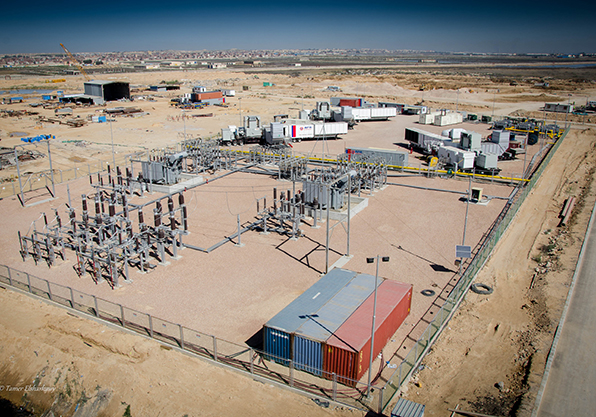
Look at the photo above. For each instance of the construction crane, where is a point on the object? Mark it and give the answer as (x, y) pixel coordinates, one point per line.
(75, 62)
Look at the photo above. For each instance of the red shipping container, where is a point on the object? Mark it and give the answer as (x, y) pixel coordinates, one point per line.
(351, 102)
(347, 351)
(208, 95)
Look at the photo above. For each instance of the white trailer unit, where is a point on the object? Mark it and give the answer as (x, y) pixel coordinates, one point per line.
(359, 114)
(333, 129)
(451, 118)
(427, 118)
(229, 93)
(457, 157)
(426, 141)
(382, 113)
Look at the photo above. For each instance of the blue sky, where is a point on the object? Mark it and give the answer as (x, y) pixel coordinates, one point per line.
(108, 26)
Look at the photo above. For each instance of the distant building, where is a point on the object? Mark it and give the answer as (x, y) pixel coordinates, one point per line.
(558, 108)
(215, 65)
(103, 91)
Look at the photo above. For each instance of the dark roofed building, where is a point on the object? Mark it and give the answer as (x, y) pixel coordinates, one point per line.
(107, 90)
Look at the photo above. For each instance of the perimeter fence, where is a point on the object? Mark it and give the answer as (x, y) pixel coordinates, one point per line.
(326, 386)
(482, 252)
(280, 370)
(32, 181)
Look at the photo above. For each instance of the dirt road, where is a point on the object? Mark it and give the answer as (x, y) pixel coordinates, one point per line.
(491, 357)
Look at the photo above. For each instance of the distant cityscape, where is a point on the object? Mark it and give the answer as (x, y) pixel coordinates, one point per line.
(169, 58)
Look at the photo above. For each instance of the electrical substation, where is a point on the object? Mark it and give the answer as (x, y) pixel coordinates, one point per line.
(268, 245)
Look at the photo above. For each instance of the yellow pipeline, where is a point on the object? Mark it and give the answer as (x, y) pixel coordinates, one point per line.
(399, 168)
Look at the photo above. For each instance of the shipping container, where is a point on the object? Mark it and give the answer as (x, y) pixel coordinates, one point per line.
(195, 97)
(336, 100)
(388, 156)
(351, 102)
(347, 350)
(278, 331)
(309, 338)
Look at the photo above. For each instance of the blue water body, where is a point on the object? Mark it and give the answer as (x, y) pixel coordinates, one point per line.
(26, 91)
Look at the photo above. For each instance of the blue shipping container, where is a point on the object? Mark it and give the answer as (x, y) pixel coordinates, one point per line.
(309, 338)
(277, 345)
(287, 321)
(308, 355)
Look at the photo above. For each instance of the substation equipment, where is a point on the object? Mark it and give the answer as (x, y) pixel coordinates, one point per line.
(108, 238)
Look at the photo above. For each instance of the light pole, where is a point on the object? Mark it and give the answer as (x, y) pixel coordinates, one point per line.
(457, 101)
(568, 108)
(372, 336)
(184, 121)
(463, 240)
(113, 155)
(240, 110)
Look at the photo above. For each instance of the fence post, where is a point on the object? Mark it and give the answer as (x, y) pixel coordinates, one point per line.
(380, 409)
(252, 359)
(71, 298)
(9, 276)
(96, 308)
(49, 290)
(214, 347)
(122, 315)
(291, 373)
(334, 395)
(150, 325)
(29, 282)
(181, 336)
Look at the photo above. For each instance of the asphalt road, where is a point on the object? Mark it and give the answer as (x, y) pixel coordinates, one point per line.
(571, 381)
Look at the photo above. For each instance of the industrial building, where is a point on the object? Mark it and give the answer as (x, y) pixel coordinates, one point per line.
(558, 108)
(107, 90)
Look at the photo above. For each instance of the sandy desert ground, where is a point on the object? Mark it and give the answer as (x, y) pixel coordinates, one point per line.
(505, 334)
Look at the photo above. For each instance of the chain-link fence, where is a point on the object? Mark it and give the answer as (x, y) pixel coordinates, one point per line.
(484, 250)
(32, 181)
(250, 360)
(240, 357)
